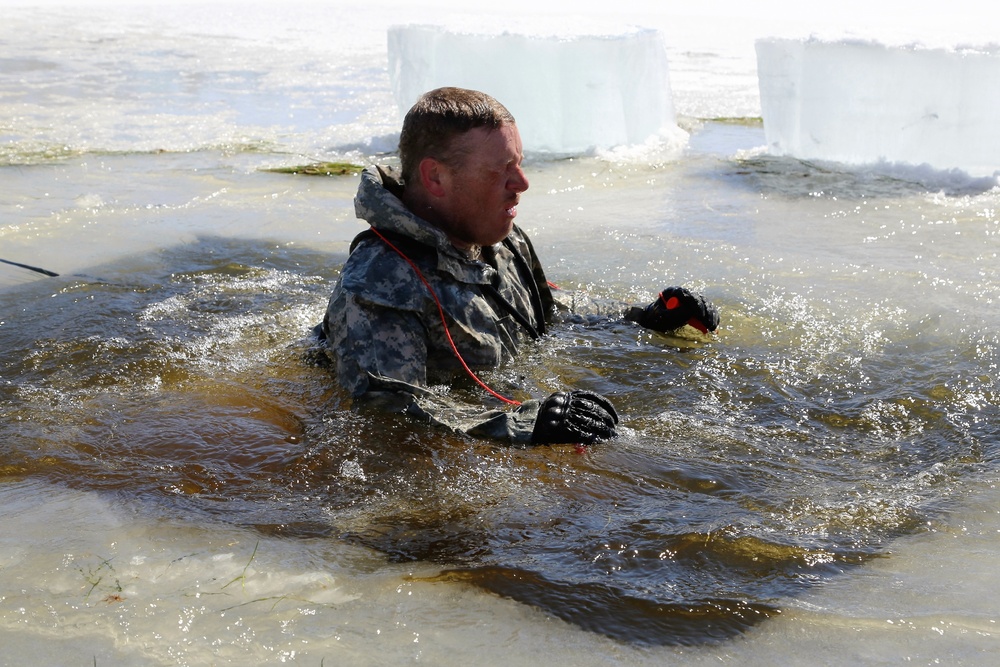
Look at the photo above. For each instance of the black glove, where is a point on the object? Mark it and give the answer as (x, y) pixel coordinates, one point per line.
(575, 416)
(673, 308)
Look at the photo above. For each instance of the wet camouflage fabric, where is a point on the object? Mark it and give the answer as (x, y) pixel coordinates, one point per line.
(385, 332)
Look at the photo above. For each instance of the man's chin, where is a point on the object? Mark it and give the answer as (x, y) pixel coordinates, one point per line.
(508, 228)
(503, 231)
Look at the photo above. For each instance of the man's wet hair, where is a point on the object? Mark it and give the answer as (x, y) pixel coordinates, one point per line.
(439, 116)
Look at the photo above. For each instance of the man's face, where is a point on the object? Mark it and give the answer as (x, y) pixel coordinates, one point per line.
(483, 192)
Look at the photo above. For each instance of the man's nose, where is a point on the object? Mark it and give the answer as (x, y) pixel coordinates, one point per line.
(519, 181)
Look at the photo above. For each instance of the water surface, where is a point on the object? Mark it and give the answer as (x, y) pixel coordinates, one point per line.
(185, 485)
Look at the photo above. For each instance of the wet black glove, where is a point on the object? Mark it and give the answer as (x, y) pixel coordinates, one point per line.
(575, 416)
(673, 308)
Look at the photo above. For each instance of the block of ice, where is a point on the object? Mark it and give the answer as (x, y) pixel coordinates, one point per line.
(569, 94)
(860, 102)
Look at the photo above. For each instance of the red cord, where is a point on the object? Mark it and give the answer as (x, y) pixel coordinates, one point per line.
(444, 322)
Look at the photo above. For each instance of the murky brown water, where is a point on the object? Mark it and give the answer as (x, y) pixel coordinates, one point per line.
(848, 399)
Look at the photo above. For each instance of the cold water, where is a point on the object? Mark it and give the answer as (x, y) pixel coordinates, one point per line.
(183, 484)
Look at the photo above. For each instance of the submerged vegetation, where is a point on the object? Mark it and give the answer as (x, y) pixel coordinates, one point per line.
(749, 121)
(319, 169)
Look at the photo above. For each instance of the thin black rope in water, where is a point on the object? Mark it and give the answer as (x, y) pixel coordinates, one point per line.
(30, 268)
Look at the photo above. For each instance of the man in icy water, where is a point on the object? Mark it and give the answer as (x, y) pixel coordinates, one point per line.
(444, 282)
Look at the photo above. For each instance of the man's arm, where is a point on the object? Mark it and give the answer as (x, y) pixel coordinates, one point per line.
(381, 357)
(672, 309)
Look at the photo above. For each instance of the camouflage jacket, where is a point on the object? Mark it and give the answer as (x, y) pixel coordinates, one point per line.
(386, 334)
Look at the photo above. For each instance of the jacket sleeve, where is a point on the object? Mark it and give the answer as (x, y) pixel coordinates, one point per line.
(511, 426)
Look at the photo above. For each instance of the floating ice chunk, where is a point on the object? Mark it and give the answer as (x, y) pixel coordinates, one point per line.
(569, 94)
(865, 103)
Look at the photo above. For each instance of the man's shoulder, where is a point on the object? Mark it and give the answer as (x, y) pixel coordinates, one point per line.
(375, 273)
(399, 244)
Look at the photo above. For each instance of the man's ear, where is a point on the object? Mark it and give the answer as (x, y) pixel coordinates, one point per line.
(433, 176)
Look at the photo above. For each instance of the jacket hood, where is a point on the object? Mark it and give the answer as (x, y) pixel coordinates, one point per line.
(377, 204)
